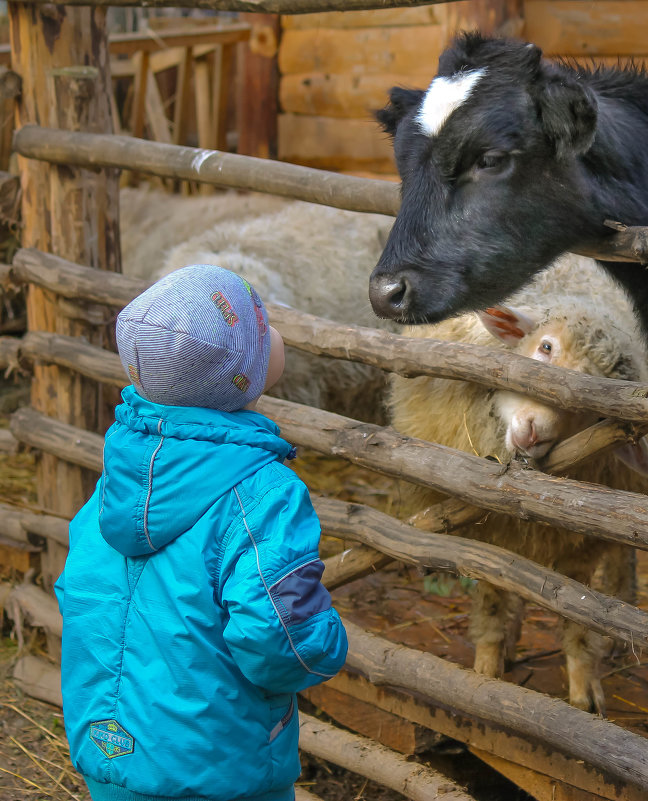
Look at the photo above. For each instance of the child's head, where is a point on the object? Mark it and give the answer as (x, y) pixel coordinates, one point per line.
(199, 337)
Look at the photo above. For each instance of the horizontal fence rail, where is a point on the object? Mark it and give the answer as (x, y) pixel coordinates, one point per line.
(261, 175)
(376, 762)
(262, 6)
(566, 389)
(514, 489)
(571, 599)
(208, 166)
(546, 720)
(479, 560)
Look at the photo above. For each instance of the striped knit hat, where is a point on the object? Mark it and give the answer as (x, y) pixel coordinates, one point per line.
(197, 337)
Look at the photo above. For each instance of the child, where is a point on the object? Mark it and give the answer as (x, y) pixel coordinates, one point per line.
(191, 598)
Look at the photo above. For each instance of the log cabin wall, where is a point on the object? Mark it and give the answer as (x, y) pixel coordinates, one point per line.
(336, 68)
(604, 31)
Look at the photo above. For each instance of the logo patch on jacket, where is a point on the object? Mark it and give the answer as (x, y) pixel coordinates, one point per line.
(111, 738)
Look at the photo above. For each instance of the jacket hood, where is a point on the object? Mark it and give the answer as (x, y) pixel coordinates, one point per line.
(164, 466)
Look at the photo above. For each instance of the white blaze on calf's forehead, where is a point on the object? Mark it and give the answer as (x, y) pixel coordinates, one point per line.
(443, 97)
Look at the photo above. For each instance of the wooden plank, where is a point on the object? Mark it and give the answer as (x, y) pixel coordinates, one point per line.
(257, 122)
(182, 98)
(362, 50)
(131, 43)
(155, 115)
(329, 143)
(574, 28)
(222, 83)
(141, 61)
(383, 18)
(385, 727)
(168, 59)
(487, 737)
(328, 94)
(39, 678)
(541, 787)
(204, 103)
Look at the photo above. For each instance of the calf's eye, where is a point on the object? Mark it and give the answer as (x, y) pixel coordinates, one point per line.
(493, 160)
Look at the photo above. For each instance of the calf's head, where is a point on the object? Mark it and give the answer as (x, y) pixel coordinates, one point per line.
(492, 190)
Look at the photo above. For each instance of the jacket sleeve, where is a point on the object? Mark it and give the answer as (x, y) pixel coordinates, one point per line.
(282, 631)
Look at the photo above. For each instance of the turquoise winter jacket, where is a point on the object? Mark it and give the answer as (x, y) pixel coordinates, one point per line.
(193, 610)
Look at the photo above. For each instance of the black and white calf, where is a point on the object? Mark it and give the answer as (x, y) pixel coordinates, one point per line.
(506, 161)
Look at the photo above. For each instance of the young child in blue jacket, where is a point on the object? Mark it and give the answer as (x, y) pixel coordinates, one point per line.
(191, 598)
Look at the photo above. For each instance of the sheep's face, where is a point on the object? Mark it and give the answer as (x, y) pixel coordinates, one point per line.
(531, 427)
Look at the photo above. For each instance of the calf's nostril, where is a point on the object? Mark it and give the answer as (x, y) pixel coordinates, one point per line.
(388, 296)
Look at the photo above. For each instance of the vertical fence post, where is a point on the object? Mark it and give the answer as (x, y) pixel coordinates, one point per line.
(67, 211)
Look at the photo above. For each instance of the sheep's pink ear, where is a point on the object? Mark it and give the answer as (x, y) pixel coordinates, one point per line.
(634, 455)
(506, 323)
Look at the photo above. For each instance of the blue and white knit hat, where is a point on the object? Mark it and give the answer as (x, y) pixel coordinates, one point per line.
(197, 337)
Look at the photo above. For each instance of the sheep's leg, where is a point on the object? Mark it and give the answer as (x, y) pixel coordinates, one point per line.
(619, 573)
(584, 649)
(616, 575)
(494, 627)
(583, 652)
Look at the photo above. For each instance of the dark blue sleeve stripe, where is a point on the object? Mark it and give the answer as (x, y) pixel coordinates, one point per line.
(300, 594)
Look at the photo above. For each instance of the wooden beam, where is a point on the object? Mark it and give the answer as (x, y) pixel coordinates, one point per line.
(480, 734)
(566, 389)
(407, 50)
(262, 6)
(153, 41)
(208, 166)
(378, 763)
(400, 541)
(569, 28)
(257, 124)
(18, 523)
(547, 721)
(246, 172)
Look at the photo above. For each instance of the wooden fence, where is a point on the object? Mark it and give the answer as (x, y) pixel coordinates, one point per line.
(71, 307)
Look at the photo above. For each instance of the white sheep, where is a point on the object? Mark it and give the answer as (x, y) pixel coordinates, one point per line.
(573, 316)
(311, 257)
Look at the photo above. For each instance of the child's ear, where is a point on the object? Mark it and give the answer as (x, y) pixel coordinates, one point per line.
(401, 101)
(506, 323)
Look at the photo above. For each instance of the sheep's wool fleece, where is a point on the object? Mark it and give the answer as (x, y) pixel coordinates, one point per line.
(605, 336)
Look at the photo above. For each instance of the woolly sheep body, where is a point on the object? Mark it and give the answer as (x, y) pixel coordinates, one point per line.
(311, 257)
(579, 302)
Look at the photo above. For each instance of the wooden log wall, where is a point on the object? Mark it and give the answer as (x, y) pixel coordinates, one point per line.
(336, 69)
(61, 57)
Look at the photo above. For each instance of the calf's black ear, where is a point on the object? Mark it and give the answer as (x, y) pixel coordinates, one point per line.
(568, 111)
(400, 102)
